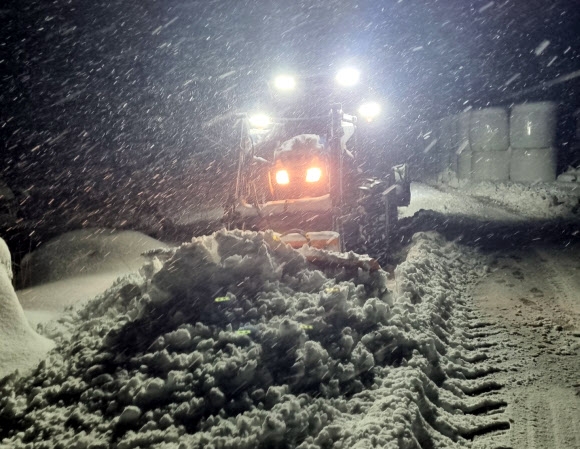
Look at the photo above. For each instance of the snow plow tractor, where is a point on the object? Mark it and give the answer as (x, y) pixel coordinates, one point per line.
(303, 182)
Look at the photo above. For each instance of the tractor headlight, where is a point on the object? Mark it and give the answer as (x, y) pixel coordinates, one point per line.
(369, 110)
(313, 174)
(259, 121)
(282, 177)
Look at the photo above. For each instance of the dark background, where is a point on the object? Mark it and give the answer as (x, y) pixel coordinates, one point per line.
(112, 109)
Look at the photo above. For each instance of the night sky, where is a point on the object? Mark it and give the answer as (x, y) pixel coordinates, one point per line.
(93, 86)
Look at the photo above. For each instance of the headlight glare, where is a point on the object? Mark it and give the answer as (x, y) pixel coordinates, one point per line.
(282, 177)
(313, 174)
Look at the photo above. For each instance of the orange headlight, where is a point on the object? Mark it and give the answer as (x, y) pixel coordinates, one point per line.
(313, 174)
(282, 177)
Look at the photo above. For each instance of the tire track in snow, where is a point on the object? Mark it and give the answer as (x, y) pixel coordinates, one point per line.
(564, 275)
(533, 294)
(553, 421)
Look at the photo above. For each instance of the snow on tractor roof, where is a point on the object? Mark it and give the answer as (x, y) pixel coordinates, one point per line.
(298, 146)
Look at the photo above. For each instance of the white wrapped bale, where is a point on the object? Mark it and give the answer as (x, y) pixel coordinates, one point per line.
(533, 125)
(463, 122)
(448, 132)
(464, 165)
(490, 165)
(533, 165)
(445, 141)
(488, 130)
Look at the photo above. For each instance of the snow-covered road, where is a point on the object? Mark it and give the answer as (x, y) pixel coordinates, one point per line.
(533, 296)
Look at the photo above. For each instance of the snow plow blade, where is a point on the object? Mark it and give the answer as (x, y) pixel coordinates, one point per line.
(323, 249)
(328, 240)
(348, 260)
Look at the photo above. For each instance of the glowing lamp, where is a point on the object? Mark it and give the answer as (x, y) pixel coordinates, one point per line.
(285, 83)
(313, 174)
(260, 121)
(369, 111)
(347, 77)
(282, 177)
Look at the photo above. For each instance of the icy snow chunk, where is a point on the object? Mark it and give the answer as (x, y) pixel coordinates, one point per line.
(179, 339)
(130, 415)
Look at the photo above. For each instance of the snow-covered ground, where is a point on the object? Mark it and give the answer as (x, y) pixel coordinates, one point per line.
(507, 201)
(532, 295)
(235, 340)
(238, 341)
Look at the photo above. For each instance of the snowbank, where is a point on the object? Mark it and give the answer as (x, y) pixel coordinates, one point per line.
(237, 341)
(538, 201)
(77, 266)
(21, 347)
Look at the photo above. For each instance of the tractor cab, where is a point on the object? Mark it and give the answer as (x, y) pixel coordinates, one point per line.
(300, 168)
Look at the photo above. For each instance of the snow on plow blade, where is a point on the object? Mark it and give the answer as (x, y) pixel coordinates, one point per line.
(323, 248)
(328, 240)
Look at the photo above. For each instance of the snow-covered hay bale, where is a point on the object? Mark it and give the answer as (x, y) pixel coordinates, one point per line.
(21, 348)
(533, 165)
(238, 341)
(86, 252)
(488, 130)
(491, 165)
(533, 125)
(448, 133)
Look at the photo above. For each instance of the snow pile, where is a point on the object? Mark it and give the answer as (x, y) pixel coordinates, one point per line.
(20, 346)
(304, 145)
(570, 175)
(238, 341)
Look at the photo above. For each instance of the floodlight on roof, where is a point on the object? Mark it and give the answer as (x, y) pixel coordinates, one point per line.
(347, 76)
(285, 83)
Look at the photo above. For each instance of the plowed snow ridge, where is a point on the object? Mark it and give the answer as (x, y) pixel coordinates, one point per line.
(237, 341)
